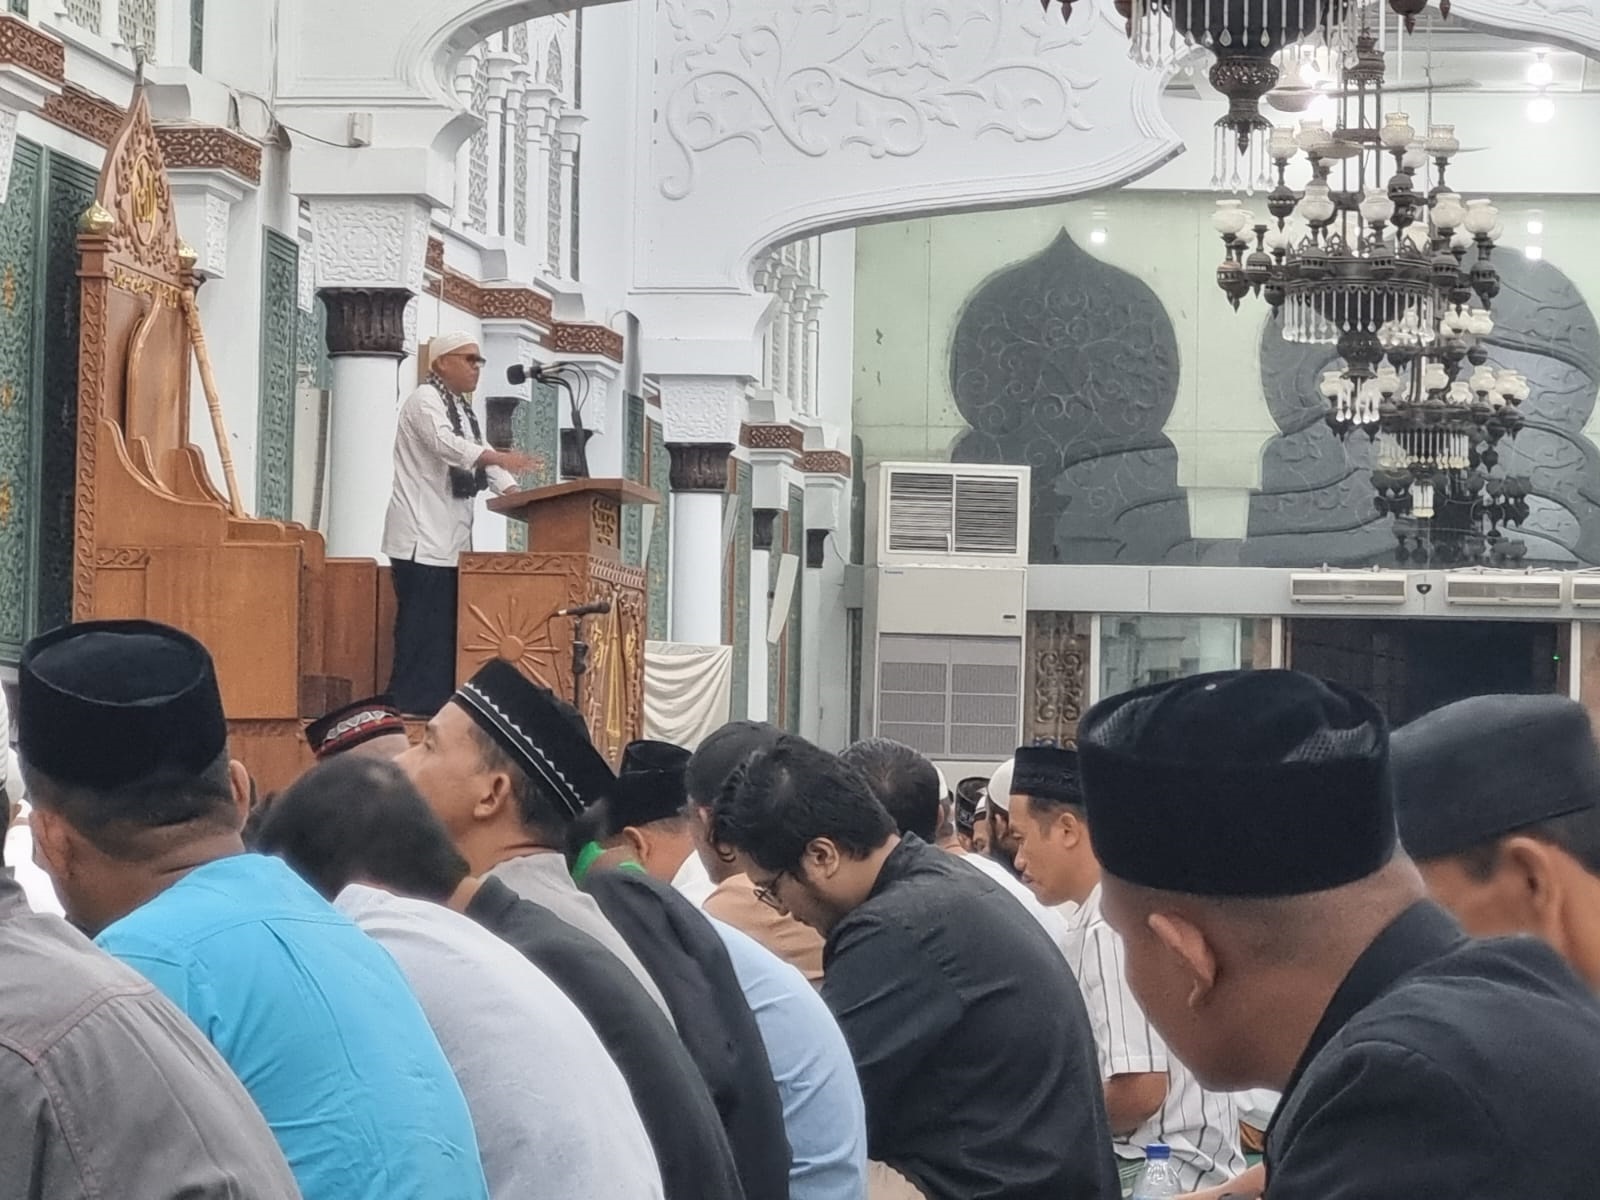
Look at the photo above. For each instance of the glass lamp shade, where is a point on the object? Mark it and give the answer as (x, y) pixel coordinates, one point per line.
(1483, 380)
(1480, 323)
(1460, 240)
(1397, 133)
(1459, 393)
(1387, 380)
(1482, 216)
(1333, 384)
(1418, 237)
(1230, 217)
(1448, 211)
(1442, 142)
(1316, 206)
(1277, 239)
(1282, 145)
(1434, 377)
(1376, 207)
(1312, 136)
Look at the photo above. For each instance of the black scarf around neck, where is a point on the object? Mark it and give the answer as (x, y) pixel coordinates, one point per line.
(464, 485)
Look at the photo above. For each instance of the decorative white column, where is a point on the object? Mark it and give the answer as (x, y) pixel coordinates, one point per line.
(824, 691)
(812, 319)
(763, 524)
(702, 416)
(465, 83)
(515, 134)
(370, 252)
(500, 64)
(568, 129)
(536, 103)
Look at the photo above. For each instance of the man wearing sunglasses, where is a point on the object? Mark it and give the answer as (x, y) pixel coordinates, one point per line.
(441, 463)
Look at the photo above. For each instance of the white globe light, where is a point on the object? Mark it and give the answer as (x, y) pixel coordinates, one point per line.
(1540, 72)
(1533, 253)
(1541, 110)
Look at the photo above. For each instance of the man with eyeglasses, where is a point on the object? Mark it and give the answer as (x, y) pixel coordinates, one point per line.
(441, 463)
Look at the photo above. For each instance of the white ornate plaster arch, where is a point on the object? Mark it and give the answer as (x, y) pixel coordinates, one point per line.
(1571, 23)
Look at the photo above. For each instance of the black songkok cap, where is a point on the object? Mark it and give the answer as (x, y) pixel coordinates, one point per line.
(1240, 783)
(1473, 771)
(107, 703)
(348, 727)
(651, 786)
(723, 753)
(543, 734)
(1048, 772)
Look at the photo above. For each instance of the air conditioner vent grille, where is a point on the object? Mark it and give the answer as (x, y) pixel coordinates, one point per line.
(950, 697)
(1493, 589)
(941, 512)
(1333, 587)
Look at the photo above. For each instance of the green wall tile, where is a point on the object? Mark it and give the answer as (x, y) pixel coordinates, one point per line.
(280, 352)
(659, 568)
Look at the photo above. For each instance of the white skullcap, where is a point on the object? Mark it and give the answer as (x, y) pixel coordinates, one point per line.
(449, 343)
(1000, 787)
(944, 784)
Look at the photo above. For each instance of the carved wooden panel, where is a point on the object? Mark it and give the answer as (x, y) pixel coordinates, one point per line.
(507, 610)
(1056, 688)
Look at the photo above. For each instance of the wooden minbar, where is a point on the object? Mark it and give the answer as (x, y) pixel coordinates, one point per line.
(511, 604)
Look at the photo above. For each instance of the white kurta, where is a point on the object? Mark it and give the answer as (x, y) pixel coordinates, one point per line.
(425, 523)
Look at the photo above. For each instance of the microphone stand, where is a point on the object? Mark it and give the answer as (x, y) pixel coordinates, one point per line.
(580, 661)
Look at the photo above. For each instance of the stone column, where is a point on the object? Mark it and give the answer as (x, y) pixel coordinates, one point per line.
(812, 318)
(763, 525)
(568, 129)
(370, 252)
(514, 134)
(499, 82)
(824, 647)
(366, 341)
(465, 83)
(535, 117)
(699, 481)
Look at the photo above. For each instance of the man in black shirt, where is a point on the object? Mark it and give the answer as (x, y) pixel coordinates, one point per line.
(1277, 938)
(922, 953)
(360, 820)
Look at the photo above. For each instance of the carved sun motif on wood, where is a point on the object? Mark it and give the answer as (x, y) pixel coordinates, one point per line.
(517, 637)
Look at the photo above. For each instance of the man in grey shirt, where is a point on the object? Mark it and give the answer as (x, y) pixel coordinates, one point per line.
(106, 1089)
(507, 765)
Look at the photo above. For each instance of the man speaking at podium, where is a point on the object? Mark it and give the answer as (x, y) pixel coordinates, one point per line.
(441, 463)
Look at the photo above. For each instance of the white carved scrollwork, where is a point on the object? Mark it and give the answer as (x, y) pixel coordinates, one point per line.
(370, 241)
(821, 76)
(703, 408)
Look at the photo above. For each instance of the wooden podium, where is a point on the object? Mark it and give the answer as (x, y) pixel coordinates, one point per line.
(510, 604)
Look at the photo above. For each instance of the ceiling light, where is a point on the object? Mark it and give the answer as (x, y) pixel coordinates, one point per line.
(1535, 228)
(1097, 236)
(1540, 73)
(1541, 109)
(1534, 253)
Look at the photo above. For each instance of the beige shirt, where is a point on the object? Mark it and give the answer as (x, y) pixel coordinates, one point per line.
(108, 1091)
(734, 902)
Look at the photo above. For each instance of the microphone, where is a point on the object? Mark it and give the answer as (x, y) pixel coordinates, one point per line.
(594, 608)
(517, 374)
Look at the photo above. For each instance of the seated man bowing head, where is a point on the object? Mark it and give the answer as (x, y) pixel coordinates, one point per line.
(1276, 937)
(921, 953)
(137, 813)
(553, 1113)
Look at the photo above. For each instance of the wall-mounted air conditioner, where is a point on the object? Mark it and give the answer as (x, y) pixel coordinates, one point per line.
(1586, 591)
(947, 513)
(1502, 588)
(1349, 587)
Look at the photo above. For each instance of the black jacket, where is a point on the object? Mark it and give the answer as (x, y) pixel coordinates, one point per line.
(685, 1129)
(1445, 1067)
(690, 965)
(969, 1033)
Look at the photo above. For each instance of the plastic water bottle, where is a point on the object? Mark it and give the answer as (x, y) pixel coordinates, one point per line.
(1159, 1179)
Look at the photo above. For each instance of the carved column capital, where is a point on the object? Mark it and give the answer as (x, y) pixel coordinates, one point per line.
(699, 466)
(816, 547)
(763, 522)
(366, 322)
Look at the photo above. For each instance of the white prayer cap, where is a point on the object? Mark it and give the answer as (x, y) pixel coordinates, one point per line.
(1000, 787)
(449, 343)
(944, 784)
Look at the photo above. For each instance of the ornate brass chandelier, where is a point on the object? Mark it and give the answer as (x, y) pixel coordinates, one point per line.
(1400, 281)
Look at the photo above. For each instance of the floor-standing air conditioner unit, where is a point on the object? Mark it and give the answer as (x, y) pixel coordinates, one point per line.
(945, 610)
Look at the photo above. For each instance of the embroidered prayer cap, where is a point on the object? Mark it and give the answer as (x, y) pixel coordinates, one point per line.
(1471, 772)
(103, 704)
(354, 724)
(723, 753)
(1239, 783)
(449, 343)
(1048, 772)
(650, 787)
(543, 734)
(1000, 786)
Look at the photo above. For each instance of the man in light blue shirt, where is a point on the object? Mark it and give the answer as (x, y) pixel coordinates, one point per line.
(137, 811)
(822, 1107)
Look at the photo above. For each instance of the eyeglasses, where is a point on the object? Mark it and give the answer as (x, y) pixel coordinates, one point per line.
(767, 892)
(476, 360)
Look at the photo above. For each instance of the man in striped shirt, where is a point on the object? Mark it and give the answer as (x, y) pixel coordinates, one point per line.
(1150, 1096)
